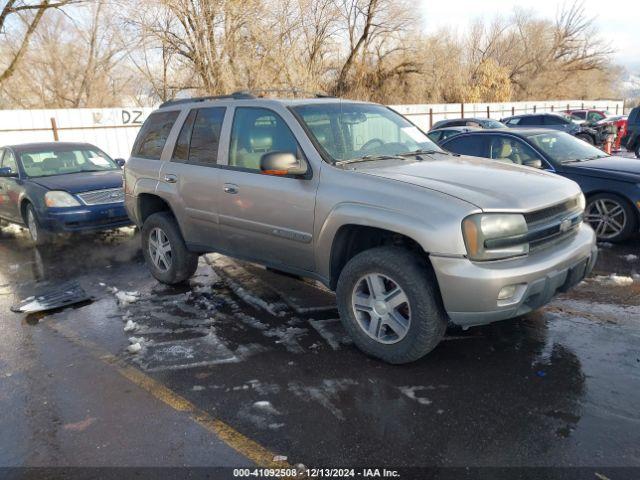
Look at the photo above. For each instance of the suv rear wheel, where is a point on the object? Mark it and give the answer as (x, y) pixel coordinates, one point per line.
(389, 303)
(165, 251)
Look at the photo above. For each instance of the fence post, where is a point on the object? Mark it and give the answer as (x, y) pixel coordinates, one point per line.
(513, 110)
(552, 108)
(54, 129)
(430, 118)
(488, 112)
(462, 110)
(534, 109)
(617, 109)
(568, 108)
(582, 106)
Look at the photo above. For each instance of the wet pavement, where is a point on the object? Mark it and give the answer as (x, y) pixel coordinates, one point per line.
(264, 355)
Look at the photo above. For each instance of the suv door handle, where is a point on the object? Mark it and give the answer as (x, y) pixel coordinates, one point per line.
(170, 178)
(230, 188)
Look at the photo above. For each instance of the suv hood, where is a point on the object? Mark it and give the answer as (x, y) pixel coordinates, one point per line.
(487, 184)
(81, 181)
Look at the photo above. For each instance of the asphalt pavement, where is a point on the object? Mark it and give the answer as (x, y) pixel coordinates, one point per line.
(248, 367)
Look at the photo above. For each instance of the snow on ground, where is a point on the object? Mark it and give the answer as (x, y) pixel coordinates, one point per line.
(130, 326)
(126, 298)
(324, 394)
(614, 280)
(631, 257)
(412, 393)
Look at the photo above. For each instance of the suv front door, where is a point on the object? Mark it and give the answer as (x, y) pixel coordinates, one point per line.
(264, 217)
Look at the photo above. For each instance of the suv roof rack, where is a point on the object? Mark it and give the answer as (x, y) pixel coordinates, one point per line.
(233, 96)
(247, 95)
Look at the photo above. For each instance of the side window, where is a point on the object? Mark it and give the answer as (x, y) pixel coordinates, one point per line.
(512, 150)
(205, 136)
(473, 145)
(594, 117)
(435, 135)
(532, 120)
(514, 121)
(579, 115)
(257, 131)
(9, 160)
(153, 135)
(554, 120)
(181, 150)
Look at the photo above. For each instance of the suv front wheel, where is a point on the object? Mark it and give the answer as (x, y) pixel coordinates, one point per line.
(165, 251)
(390, 305)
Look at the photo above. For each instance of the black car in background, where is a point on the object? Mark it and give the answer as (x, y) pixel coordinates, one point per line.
(468, 122)
(439, 135)
(631, 141)
(555, 121)
(610, 184)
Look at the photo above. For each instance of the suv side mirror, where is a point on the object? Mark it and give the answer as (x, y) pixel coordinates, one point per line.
(534, 163)
(6, 172)
(120, 162)
(282, 163)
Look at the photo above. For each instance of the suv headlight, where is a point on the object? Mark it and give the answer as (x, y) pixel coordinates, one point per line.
(582, 202)
(60, 199)
(492, 236)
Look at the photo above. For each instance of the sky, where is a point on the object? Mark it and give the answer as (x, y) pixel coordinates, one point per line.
(618, 21)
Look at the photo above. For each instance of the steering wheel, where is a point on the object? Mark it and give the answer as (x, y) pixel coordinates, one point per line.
(370, 144)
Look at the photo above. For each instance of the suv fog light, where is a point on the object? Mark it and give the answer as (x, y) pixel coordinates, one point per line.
(507, 292)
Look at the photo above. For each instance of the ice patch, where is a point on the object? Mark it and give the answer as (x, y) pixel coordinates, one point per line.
(631, 257)
(323, 394)
(197, 388)
(614, 280)
(266, 407)
(130, 326)
(126, 298)
(411, 392)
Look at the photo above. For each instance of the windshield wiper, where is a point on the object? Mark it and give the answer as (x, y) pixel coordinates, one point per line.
(369, 158)
(422, 152)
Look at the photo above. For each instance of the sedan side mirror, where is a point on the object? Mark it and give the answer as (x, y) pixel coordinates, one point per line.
(533, 163)
(6, 172)
(282, 163)
(120, 162)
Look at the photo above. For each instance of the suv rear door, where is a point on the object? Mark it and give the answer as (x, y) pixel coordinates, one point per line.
(264, 217)
(192, 177)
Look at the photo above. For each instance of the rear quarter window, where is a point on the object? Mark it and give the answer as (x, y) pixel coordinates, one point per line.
(153, 135)
(472, 145)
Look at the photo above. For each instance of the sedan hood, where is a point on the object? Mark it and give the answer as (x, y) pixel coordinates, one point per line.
(611, 167)
(82, 181)
(487, 184)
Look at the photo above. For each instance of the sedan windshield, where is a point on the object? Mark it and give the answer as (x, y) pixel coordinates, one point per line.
(352, 131)
(61, 161)
(561, 147)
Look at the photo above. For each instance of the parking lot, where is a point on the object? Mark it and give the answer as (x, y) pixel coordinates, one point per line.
(245, 366)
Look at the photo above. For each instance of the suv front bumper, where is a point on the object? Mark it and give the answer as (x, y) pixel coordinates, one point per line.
(470, 290)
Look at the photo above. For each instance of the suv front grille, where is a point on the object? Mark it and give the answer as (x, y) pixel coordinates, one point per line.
(102, 197)
(551, 225)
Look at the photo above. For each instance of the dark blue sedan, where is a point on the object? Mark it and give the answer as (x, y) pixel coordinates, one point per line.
(60, 187)
(611, 185)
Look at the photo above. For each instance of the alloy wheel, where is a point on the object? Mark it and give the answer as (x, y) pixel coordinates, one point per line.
(160, 249)
(381, 308)
(607, 217)
(32, 225)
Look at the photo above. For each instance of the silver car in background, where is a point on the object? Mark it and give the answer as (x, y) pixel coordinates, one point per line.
(354, 195)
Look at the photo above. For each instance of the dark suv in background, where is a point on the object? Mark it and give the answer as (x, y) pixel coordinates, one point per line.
(631, 141)
(556, 122)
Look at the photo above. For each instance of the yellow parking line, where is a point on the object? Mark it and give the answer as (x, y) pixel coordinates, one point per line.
(255, 452)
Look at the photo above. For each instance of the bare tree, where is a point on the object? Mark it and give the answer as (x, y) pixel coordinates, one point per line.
(29, 14)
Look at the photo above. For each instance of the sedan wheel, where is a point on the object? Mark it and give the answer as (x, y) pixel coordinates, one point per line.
(33, 225)
(381, 308)
(609, 218)
(160, 249)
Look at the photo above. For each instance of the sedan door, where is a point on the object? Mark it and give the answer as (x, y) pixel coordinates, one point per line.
(10, 188)
(264, 217)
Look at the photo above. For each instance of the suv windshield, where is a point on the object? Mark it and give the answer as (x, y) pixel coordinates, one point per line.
(561, 147)
(349, 131)
(61, 161)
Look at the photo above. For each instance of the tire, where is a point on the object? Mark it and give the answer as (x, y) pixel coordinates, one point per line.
(586, 138)
(611, 216)
(38, 235)
(171, 266)
(391, 267)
